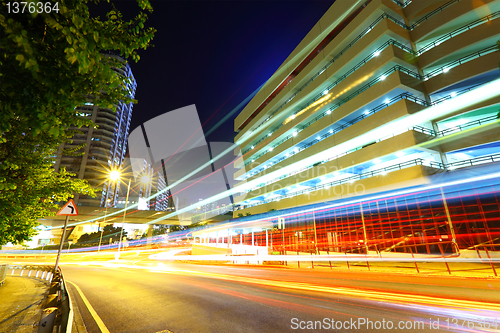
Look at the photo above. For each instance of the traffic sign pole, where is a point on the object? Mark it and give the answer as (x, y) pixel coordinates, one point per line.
(62, 241)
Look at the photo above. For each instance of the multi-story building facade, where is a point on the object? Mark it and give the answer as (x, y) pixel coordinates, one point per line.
(105, 146)
(379, 96)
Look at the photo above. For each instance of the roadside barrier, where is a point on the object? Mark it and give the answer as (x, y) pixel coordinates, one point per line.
(3, 273)
(57, 308)
(35, 271)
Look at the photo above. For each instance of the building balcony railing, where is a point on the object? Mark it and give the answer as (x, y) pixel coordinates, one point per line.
(421, 129)
(384, 171)
(378, 50)
(458, 31)
(458, 62)
(434, 12)
(459, 128)
(357, 38)
(442, 69)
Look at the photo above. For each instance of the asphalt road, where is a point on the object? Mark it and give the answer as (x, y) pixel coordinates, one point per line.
(180, 297)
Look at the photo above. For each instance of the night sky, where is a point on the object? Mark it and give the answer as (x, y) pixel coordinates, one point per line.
(214, 54)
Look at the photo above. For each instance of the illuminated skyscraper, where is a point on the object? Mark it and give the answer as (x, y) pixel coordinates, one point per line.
(105, 146)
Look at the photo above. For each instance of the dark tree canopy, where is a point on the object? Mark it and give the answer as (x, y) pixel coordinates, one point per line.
(50, 63)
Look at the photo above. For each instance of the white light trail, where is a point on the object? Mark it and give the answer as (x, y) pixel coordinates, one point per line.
(482, 93)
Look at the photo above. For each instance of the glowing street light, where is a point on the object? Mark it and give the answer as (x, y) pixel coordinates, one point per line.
(145, 179)
(114, 175)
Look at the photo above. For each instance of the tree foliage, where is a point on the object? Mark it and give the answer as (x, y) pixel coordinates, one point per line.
(108, 232)
(50, 63)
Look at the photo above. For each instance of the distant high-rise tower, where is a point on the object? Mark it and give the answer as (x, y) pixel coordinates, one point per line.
(105, 146)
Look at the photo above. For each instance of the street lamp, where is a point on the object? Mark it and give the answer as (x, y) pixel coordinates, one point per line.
(114, 175)
(103, 224)
(144, 180)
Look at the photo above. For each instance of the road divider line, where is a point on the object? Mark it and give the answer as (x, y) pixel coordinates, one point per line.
(94, 314)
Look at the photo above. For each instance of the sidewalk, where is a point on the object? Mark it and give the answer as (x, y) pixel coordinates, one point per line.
(21, 304)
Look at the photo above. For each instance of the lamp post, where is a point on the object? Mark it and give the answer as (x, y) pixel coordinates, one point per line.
(125, 213)
(144, 180)
(103, 224)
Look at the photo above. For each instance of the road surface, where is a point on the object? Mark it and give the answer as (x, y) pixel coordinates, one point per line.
(177, 297)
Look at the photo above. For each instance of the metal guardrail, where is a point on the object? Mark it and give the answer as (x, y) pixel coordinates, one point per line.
(41, 272)
(3, 273)
(58, 310)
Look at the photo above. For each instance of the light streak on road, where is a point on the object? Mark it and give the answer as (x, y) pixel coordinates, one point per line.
(170, 255)
(462, 181)
(321, 258)
(403, 299)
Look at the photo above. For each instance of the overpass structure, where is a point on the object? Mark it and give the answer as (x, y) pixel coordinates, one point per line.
(98, 214)
(89, 214)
